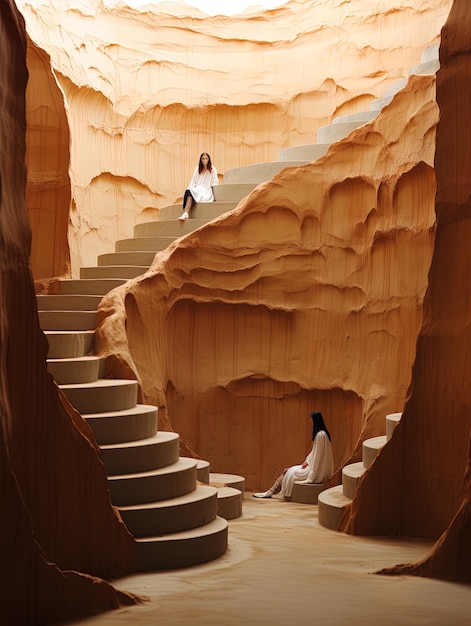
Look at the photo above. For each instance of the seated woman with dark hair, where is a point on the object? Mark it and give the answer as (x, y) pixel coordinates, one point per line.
(317, 468)
(201, 185)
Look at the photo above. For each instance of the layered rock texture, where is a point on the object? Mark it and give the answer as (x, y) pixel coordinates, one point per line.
(431, 485)
(310, 294)
(147, 91)
(59, 533)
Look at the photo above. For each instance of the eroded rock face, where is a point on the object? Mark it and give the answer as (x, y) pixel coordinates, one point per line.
(59, 530)
(432, 482)
(307, 296)
(147, 92)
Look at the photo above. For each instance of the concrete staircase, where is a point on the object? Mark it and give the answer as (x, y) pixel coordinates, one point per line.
(176, 509)
(333, 501)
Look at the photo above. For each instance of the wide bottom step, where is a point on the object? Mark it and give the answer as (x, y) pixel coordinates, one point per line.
(186, 548)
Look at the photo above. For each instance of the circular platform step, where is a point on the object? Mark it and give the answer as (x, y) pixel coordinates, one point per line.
(229, 502)
(227, 480)
(306, 493)
(184, 549)
(202, 471)
(350, 476)
(331, 505)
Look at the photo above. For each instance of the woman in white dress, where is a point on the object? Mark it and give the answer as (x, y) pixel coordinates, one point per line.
(201, 185)
(317, 468)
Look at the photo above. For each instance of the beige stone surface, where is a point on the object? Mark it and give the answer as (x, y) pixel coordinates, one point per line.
(147, 91)
(301, 298)
(283, 568)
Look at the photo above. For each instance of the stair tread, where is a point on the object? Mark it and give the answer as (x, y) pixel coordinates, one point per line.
(137, 409)
(334, 497)
(354, 469)
(216, 525)
(181, 465)
(159, 437)
(201, 492)
(375, 442)
(101, 382)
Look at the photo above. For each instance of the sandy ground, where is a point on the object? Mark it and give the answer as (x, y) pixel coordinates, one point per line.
(282, 567)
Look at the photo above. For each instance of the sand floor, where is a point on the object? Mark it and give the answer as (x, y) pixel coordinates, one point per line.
(283, 568)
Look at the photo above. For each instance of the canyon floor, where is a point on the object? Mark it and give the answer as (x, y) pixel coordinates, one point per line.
(283, 568)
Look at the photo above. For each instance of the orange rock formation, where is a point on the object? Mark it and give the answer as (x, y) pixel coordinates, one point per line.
(146, 92)
(431, 484)
(309, 294)
(59, 531)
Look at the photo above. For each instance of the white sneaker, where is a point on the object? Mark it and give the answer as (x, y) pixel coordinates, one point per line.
(184, 216)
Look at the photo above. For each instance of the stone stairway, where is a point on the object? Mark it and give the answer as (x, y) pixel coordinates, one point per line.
(176, 509)
(176, 519)
(333, 501)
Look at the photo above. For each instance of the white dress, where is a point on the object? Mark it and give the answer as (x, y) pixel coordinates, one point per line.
(319, 469)
(201, 185)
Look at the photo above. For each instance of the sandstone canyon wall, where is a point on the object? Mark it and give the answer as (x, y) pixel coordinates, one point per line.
(59, 532)
(146, 91)
(431, 485)
(47, 164)
(307, 295)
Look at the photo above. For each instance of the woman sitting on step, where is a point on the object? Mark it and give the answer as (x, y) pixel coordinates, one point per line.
(201, 184)
(317, 468)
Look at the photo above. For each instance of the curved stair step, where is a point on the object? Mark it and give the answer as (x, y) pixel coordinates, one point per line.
(258, 172)
(84, 369)
(89, 286)
(194, 509)
(232, 192)
(165, 228)
(203, 210)
(67, 302)
(67, 320)
(164, 483)
(350, 475)
(138, 422)
(309, 152)
(144, 244)
(137, 258)
(143, 455)
(306, 493)
(335, 132)
(371, 448)
(392, 420)
(112, 271)
(186, 548)
(202, 471)
(107, 394)
(229, 502)
(227, 480)
(66, 344)
(360, 116)
(331, 505)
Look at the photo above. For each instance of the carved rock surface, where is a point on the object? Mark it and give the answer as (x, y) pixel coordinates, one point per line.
(432, 483)
(146, 91)
(306, 296)
(58, 529)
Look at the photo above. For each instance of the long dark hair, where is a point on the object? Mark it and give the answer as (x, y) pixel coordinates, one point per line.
(200, 164)
(318, 424)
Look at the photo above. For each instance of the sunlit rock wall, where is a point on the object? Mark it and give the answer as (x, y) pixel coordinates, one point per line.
(146, 92)
(47, 165)
(307, 296)
(58, 528)
(431, 482)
